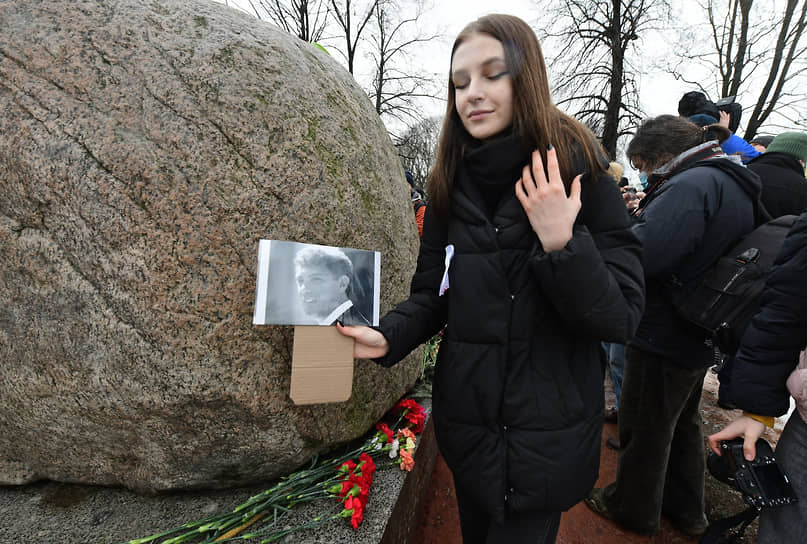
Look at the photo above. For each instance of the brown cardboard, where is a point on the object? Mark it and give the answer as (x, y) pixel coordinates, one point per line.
(321, 365)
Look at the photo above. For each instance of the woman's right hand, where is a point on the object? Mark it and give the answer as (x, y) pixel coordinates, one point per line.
(368, 343)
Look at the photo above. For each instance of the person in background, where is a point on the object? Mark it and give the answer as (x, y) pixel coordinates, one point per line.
(733, 145)
(699, 203)
(616, 170)
(781, 169)
(694, 103)
(697, 107)
(324, 278)
(630, 195)
(418, 203)
(766, 368)
(528, 259)
(615, 352)
(761, 143)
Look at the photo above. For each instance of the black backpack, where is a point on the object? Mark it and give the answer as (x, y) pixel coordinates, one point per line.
(726, 299)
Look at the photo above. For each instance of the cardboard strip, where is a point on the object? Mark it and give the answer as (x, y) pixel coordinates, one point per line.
(321, 365)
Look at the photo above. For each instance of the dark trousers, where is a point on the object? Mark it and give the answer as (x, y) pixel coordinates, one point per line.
(661, 464)
(478, 527)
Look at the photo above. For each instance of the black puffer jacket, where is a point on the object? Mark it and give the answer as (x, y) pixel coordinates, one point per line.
(784, 189)
(770, 346)
(685, 225)
(518, 396)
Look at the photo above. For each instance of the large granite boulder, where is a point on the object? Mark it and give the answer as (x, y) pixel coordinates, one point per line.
(145, 149)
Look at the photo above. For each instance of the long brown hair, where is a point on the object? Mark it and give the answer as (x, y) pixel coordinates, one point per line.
(535, 117)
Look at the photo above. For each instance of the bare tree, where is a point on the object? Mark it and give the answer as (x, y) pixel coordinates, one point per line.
(397, 88)
(352, 20)
(782, 68)
(754, 46)
(596, 80)
(305, 19)
(388, 36)
(417, 146)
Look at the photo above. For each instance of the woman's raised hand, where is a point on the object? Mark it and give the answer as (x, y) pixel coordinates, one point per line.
(550, 212)
(369, 343)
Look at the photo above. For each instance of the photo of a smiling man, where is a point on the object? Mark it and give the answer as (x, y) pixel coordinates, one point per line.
(324, 278)
(308, 284)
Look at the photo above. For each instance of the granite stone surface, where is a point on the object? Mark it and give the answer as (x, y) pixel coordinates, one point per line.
(146, 148)
(61, 513)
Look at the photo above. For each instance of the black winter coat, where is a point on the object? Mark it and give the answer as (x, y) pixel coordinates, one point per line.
(784, 189)
(689, 222)
(778, 332)
(518, 396)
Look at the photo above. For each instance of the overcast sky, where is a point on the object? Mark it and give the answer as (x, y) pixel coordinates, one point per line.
(657, 89)
(659, 92)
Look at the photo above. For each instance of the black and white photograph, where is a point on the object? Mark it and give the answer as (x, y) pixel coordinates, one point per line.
(309, 284)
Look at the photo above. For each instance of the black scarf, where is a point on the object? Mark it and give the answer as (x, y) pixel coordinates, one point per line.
(492, 168)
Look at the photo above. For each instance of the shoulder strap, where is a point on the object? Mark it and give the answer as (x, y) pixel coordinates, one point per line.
(714, 534)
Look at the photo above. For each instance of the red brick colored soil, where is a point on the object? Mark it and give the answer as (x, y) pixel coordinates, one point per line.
(439, 520)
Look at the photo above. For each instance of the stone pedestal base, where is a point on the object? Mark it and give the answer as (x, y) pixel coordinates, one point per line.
(59, 512)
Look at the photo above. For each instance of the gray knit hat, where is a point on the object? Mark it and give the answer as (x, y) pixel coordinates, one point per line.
(764, 140)
(792, 143)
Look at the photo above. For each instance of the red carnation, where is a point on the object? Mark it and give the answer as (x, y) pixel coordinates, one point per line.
(417, 421)
(347, 487)
(367, 464)
(384, 428)
(363, 483)
(413, 413)
(349, 502)
(358, 513)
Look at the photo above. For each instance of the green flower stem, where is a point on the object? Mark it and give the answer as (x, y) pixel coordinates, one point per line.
(306, 485)
(273, 536)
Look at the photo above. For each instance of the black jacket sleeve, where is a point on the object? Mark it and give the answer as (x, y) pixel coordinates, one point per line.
(423, 314)
(778, 332)
(596, 282)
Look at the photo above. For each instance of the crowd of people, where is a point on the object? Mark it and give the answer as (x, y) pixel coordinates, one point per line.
(542, 263)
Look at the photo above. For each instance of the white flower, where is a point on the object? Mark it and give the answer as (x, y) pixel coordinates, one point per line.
(393, 452)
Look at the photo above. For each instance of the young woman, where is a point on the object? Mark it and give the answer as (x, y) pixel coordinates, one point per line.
(528, 259)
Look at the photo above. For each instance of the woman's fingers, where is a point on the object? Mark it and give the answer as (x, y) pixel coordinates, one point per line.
(550, 211)
(552, 167)
(526, 181)
(368, 343)
(533, 180)
(538, 168)
(576, 188)
(539, 175)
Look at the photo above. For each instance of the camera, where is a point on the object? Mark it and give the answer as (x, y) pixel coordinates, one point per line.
(735, 111)
(761, 481)
(695, 102)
